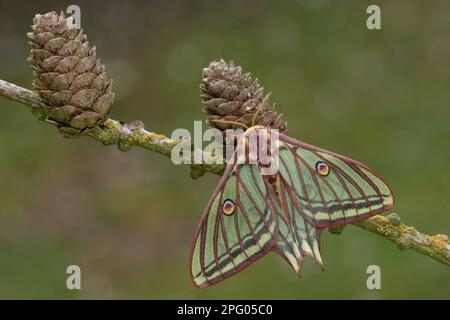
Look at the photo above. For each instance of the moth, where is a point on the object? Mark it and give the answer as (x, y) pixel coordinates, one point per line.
(250, 213)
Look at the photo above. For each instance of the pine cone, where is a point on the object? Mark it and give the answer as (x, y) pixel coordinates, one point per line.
(68, 75)
(231, 97)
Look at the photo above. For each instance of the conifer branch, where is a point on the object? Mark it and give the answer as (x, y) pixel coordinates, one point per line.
(127, 135)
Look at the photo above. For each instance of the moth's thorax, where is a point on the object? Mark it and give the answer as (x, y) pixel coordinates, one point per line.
(255, 128)
(259, 135)
(259, 146)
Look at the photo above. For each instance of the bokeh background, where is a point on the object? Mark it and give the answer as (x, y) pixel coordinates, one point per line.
(127, 219)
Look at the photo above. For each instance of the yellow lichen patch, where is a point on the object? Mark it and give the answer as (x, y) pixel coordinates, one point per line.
(406, 229)
(112, 124)
(156, 136)
(438, 242)
(381, 219)
(384, 225)
(142, 137)
(138, 137)
(386, 230)
(174, 142)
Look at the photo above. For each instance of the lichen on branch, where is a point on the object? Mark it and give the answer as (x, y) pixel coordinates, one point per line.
(134, 134)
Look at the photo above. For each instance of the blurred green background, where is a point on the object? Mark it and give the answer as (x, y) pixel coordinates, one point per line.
(127, 219)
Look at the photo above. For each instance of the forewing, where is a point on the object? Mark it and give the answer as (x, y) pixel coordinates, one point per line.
(224, 244)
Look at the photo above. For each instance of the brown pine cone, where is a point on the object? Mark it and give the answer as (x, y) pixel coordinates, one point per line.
(231, 97)
(68, 75)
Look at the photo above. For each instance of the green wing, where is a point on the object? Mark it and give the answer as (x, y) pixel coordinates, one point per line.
(297, 237)
(315, 189)
(287, 246)
(226, 240)
(345, 192)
